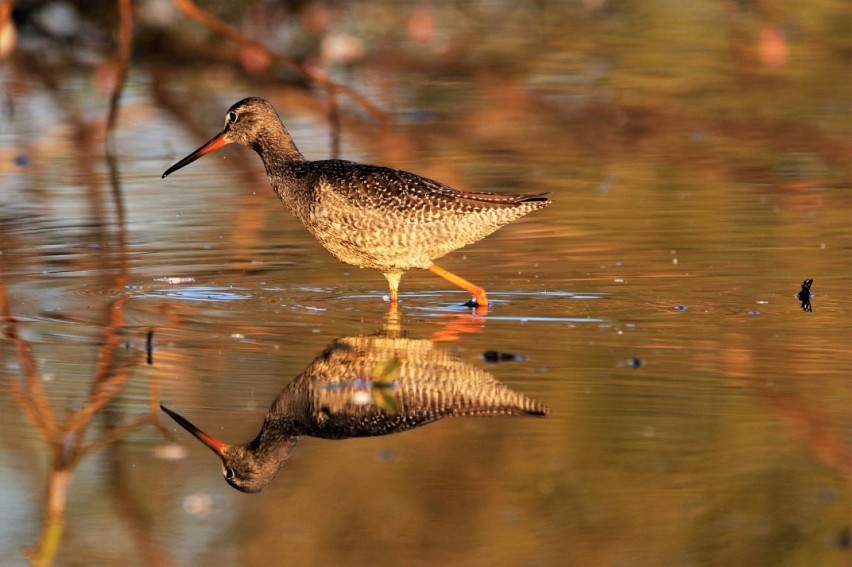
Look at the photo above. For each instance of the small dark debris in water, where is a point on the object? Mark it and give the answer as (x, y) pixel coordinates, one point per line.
(680, 307)
(636, 362)
(805, 295)
(844, 538)
(754, 312)
(494, 356)
(149, 347)
(21, 160)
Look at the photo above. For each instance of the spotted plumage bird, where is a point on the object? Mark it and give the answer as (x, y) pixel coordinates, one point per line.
(365, 215)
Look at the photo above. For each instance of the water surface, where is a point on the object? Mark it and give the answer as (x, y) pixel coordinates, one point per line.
(698, 415)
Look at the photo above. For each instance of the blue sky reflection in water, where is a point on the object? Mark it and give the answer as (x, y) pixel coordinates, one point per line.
(698, 164)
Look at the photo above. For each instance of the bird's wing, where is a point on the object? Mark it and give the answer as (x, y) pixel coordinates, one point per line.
(385, 188)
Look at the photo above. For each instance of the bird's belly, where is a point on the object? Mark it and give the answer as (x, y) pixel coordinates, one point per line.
(380, 241)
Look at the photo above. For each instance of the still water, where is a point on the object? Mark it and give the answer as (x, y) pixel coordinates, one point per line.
(695, 413)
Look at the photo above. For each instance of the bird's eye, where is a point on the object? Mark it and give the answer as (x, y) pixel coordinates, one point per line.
(229, 473)
(232, 117)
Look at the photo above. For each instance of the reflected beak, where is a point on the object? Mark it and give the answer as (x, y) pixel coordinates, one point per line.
(217, 446)
(217, 142)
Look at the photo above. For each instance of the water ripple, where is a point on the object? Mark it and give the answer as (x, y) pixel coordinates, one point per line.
(200, 293)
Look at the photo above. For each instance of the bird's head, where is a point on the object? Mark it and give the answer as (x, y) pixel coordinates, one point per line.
(244, 467)
(247, 123)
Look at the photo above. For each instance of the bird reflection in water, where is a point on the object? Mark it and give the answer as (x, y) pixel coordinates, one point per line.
(363, 387)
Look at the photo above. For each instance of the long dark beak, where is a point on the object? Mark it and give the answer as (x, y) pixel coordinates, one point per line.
(217, 142)
(217, 446)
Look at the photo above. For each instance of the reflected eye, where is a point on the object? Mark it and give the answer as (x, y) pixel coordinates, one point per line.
(232, 117)
(229, 473)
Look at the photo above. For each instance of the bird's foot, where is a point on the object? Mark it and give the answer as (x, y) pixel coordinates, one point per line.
(471, 303)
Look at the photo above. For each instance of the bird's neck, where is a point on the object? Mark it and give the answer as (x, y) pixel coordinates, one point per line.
(274, 441)
(276, 148)
(280, 157)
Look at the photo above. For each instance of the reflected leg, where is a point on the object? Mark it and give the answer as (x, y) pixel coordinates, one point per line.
(393, 283)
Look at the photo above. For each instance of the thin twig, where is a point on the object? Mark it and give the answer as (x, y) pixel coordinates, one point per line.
(31, 396)
(117, 433)
(125, 42)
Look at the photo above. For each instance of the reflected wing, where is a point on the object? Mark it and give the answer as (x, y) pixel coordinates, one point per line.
(368, 386)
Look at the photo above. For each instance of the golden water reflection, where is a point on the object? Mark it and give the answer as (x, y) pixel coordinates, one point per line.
(364, 387)
(697, 156)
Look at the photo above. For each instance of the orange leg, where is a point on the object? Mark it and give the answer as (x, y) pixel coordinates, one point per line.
(478, 293)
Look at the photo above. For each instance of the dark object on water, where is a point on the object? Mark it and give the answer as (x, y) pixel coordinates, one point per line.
(363, 387)
(494, 356)
(805, 295)
(636, 362)
(149, 347)
(369, 216)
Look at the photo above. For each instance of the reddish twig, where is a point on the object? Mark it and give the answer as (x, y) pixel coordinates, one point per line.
(125, 42)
